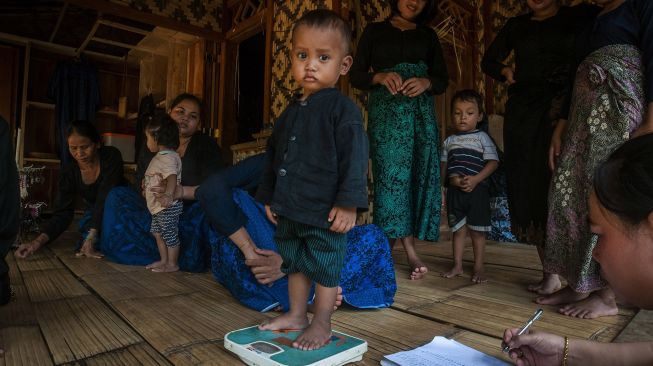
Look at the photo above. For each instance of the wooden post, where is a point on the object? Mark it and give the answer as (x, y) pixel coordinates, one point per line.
(20, 143)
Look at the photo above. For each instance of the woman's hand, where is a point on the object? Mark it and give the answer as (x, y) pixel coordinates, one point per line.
(414, 87)
(267, 267)
(509, 74)
(26, 249)
(271, 215)
(534, 348)
(556, 143)
(391, 80)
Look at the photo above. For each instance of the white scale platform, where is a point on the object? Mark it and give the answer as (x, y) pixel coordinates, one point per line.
(274, 348)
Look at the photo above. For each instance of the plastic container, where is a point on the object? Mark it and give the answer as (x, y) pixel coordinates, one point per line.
(124, 143)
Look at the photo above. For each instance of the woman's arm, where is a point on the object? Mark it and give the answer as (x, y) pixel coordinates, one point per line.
(438, 74)
(111, 175)
(360, 75)
(498, 51)
(64, 205)
(584, 352)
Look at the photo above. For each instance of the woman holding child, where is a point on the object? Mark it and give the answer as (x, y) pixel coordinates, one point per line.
(538, 94)
(93, 172)
(400, 61)
(126, 237)
(612, 102)
(621, 218)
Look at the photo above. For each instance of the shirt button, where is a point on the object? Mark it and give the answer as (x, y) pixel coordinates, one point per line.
(303, 103)
(293, 138)
(282, 172)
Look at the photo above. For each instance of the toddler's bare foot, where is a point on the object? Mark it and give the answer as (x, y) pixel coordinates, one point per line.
(157, 264)
(316, 336)
(335, 306)
(564, 296)
(594, 306)
(89, 253)
(285, 322)
(166, 268)
(549, 284)
(479, 277)
(455, 271)
(418, 269)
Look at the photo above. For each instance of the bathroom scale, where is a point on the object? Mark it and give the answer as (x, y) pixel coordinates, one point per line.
(274, 348)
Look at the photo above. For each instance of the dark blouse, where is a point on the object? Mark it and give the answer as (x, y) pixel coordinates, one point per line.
(382, 46)
(94, 194)
(631, 23)
(203, 157)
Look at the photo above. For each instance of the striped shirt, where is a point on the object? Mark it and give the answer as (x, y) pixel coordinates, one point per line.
(466, 152)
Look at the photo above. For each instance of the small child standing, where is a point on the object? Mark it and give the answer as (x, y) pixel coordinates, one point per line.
(468, 157)
(163, 139)
(315, 176)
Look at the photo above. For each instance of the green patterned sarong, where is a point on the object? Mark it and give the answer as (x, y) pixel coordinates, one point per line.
(404, 148)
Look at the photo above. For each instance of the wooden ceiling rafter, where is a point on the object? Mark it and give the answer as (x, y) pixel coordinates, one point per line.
(126, 12)
(124, 27)
(90, 36)
(249, 18)
(59, 19)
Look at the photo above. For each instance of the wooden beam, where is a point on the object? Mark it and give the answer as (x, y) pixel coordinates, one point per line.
(267, 76)
(20, 144)
(247, 28)
(61, 15)
(124, 27)
(52, 47)
(128, 46)
(88, 38)
(106, 7)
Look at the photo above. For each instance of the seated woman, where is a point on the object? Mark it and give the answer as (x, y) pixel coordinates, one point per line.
(621, 218)
(241, 236)
(126, 237)
(93, 172)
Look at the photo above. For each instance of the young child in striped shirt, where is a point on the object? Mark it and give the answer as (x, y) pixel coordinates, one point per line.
(468, 158)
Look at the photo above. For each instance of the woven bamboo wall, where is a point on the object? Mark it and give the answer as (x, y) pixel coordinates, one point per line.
(201, 13)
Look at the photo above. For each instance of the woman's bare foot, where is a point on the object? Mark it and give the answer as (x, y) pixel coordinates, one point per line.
(89, 253)
(166, 268)
(285, 322)
(564, 296)
(455, 271)
(316, 336)
(550, 283)
(418, 268)
(597, 304)
(157, 264)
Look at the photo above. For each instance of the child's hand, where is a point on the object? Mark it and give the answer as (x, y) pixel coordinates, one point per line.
(271, 215)
(468, 183)
(455, 181)
(342, 219)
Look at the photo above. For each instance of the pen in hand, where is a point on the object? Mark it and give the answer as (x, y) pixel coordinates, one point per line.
(537, 315)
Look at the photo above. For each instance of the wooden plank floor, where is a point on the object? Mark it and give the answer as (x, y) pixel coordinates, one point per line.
(76, 311)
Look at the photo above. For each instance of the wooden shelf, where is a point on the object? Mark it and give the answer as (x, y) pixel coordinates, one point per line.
(40, 105)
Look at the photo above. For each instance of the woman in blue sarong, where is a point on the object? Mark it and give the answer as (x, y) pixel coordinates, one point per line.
(127, 239)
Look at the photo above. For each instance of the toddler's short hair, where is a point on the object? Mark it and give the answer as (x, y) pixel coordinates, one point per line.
(164, 129)
(468, 95)
(326, 19)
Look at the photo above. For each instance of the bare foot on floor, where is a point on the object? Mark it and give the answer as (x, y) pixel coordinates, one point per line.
(479, 277)
(564, 296)
(418, 269)
(454, 272)
(594, 306)
(156, 264)
(89, 253)
(166, 268)
(284, 322)
(316, 336)
(549, 284)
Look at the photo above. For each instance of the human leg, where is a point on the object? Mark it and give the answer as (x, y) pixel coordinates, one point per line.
(478, 243)
(172, 264)
(417, 267)
(298, 288)
(163, 253)
(599, 303)
(318, 332)
(458, 246)
(550, 282)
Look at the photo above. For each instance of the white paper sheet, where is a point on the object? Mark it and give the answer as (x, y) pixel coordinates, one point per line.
(441, 352)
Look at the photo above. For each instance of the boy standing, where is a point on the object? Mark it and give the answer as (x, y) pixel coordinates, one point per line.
(315, 176)
(468, 158)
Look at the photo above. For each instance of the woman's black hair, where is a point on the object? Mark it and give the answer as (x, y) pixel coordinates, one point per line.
(624, 183)
(425, 17)
(86, 129)
(165, 131)
(187, 96)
